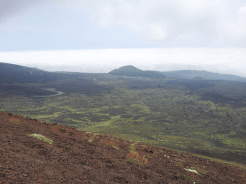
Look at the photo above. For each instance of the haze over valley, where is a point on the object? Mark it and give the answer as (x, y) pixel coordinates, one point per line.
(217, 60)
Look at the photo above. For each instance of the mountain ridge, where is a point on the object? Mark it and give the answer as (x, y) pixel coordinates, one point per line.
(131, 71)
(190, 74)
(12, 73)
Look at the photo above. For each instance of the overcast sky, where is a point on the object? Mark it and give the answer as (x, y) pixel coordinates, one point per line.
(215, 28)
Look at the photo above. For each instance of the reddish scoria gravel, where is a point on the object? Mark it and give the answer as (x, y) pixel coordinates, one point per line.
(82, 157)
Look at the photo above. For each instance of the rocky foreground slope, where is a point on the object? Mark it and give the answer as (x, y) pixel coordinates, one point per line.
(68, 155)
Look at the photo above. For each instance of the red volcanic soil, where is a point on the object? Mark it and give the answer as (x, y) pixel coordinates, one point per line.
(82, 157)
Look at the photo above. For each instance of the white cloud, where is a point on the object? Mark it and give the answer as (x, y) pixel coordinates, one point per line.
(11, 8)
(192, 23)
(174, 22)
(220, 60)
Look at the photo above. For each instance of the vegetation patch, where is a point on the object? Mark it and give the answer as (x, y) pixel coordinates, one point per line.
(156, 112)
(61, 129)
(199, 170)
(116, 147)
(41, 137)
(110, 142)
(191, 178)
(192, 170)
(15, 121)
(137, 158)
(93, 137)
(131, 148)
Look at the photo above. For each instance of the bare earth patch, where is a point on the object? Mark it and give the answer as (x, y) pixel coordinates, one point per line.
(80, 157)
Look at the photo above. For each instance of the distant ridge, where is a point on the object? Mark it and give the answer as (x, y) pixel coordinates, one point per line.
(132, 71)
(201, 74)
(11, 73)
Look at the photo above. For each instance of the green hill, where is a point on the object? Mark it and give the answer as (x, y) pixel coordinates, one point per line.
(131, 71)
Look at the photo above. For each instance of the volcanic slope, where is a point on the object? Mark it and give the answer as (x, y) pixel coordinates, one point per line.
(132, 71)
(74, 156)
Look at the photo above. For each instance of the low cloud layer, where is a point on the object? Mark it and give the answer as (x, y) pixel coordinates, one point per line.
(219, 60)
(167, 23)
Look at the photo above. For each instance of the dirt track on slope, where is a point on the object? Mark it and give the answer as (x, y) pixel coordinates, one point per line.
(84, 157)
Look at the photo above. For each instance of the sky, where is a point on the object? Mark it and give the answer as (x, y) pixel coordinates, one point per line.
(99, 35)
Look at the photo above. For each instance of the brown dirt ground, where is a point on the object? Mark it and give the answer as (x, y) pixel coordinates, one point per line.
(86, 157)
